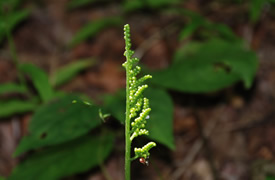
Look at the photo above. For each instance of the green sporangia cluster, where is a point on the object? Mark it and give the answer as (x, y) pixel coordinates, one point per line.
(138, 105)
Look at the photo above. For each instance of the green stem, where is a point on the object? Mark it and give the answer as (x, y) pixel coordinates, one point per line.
(12, 47)
(127, 129)
(14, 55)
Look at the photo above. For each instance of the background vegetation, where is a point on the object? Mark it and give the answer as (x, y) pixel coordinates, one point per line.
(62, 96)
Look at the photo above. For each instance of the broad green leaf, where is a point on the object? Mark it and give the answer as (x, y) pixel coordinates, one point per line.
(63, 160)
(2, 178)
(11, 107)
(160, 124)
(12, 88)
(209, 66)
(91, 29)
(161, 118)
(9, 22)
(67, 72)
(270, 178)
(116, 104)
(59, 121)
(39, 79)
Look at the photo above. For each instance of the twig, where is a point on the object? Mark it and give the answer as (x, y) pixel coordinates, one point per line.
(207, 149)
(195, 149)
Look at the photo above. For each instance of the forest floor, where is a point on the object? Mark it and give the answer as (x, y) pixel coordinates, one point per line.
(227, 134)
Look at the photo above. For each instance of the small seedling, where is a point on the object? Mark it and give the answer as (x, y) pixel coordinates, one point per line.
(137, 107)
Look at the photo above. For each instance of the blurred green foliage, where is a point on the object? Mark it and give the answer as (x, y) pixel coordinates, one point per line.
(93, 28)
(66, 73)
(72, 4)
(256, 7)
(40, 80)
(16, 106)
(197, 23)
(127, 5)
(65, 159)
(59, 121)
(54, 124)
(133, 5)
(270, 177)
(10, 16)
(13, 88)
(208, 66)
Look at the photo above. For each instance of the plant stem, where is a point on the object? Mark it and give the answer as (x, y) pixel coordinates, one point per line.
(14, 55)
(127, 129)
(12, 47)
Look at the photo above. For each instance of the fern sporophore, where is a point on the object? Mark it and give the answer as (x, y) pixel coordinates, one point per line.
(137, 107)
